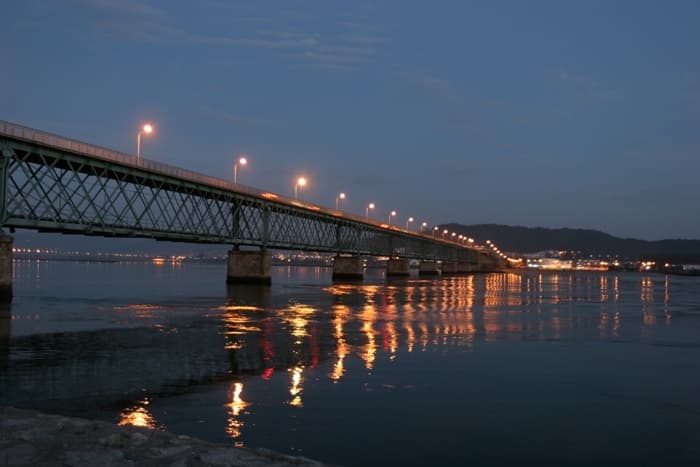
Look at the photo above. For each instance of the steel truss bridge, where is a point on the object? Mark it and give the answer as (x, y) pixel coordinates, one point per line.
(55, 184)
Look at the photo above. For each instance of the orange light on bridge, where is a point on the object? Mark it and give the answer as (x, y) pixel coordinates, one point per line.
(147, 129)
(301, 182)
(241, 161)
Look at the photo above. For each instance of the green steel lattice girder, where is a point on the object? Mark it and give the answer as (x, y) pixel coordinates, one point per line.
(54, 189)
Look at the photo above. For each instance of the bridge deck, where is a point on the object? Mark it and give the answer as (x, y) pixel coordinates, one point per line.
(49, 182)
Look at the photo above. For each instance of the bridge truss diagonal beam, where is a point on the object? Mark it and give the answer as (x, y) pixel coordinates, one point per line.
(53, 189)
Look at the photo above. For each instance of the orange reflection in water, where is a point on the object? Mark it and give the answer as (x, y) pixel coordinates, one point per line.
(647, 297)
(298, 315)
(368, 316)
(235, 408)
(137, 416)
(378, 322)
(296, 387)
(342, 349)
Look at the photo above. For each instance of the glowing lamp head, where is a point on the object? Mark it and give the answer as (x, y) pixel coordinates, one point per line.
(301, 181)
(341, 196)
(371, 205)
(393, 213)
(410, 219)
(243, 161)
(147, 128)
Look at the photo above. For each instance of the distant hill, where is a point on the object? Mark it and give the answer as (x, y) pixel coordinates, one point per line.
(588, 242)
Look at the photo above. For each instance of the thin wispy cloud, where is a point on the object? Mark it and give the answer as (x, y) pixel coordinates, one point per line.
(133, 7)
(348, 45)
(224, 116)
(584, 85)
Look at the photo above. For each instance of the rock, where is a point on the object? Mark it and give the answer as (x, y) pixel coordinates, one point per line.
(106, 457)
(138, 438)
(170, 451)
(20, 454)
(30, 438)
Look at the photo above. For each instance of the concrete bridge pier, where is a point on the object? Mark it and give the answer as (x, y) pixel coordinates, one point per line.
(5, 268)
(249, 267)
(463, 267)
(397, 267)
(428, 268)
(449, 268)
(348, 268)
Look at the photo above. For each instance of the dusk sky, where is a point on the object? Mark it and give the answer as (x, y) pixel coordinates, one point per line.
(555, 114)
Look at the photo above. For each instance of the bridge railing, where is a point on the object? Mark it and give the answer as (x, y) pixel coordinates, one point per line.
(24, 133)
(59, 142)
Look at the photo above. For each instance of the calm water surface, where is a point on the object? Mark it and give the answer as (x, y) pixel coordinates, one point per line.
(498, 369)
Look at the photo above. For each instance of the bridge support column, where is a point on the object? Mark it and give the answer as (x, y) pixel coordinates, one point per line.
(464, 268)
(5, 332)
(449, 268)
(249, 267)
(5, 268)
(348, 268)
(397, 267)
(428, 268)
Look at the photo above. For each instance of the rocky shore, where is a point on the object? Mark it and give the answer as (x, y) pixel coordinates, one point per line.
(29, 438)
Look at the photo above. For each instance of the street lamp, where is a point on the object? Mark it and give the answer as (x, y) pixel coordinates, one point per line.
(370, 206)
(242, 161)
(337, 200)
(301, 181)
(423, 226)
(444, 232)
(410, 219)
(391, 214)
(147, 129)
(435, 229)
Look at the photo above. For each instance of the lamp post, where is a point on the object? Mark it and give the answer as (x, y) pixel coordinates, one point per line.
(423, 226)
(435, 229)
(301, 181)
(242, 161)
(410, 219)
(337, 200)
(391, 214)
(369, 206)
(444, 232)
(147, 129)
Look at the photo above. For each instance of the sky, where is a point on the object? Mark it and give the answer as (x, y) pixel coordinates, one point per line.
(541, 113)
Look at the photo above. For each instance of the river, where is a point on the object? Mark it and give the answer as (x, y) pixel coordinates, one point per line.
(512, 368)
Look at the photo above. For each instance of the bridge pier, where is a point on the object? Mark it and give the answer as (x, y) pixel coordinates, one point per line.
(449, 268)
(249, 267)
(5, 268)
(397, 267)
(348, 268)
(428, 268)
(464, 267)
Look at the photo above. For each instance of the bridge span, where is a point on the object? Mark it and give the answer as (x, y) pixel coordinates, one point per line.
(55, 184)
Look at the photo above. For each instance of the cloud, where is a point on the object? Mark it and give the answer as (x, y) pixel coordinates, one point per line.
(586, 86)
(221, 115)
(132, 7)
(343, 48)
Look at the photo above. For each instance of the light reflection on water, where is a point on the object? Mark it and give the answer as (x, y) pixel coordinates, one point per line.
(137, 415)
(302, 365)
